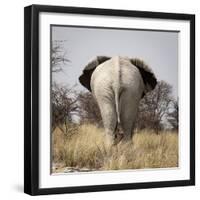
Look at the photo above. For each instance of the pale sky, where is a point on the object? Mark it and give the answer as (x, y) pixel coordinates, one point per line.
(158, 49)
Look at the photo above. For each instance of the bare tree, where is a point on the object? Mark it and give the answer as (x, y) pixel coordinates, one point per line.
(58, 56)
(64, 105)
(154, 107)
(89, 110)
(172, 116)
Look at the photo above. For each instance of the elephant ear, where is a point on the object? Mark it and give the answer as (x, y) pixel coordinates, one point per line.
(147, 74)
(88, 70)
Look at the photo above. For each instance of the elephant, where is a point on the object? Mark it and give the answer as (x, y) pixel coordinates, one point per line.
(118, 84)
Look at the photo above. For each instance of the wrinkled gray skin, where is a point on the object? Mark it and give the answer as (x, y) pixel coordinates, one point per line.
(118, 84)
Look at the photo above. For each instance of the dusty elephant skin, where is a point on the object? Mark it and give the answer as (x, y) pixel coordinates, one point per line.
(118, 84)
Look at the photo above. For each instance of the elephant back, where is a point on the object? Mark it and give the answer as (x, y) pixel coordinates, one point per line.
(88, 70)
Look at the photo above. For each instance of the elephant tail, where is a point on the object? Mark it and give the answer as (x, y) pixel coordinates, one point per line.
(118, 88)
(117, 104)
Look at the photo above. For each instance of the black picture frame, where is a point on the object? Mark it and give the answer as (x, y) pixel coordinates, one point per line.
(31, 98)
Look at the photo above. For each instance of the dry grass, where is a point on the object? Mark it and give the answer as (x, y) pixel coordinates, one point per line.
(85, 148)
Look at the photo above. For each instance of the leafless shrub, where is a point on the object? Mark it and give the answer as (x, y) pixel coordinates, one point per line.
(64, 105)
(155, 107)
(89, 110)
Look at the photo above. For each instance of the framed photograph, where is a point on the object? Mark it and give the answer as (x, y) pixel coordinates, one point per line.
(109, 99)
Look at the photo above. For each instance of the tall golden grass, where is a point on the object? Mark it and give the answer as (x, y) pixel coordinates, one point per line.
(84, 147)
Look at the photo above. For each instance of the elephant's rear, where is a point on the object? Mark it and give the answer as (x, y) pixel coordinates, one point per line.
(117, 86)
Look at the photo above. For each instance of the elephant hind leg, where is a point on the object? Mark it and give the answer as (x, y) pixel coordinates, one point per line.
(109, 117)
(129, 106)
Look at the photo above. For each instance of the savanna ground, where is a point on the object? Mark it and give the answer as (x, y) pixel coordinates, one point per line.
(82, 148)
